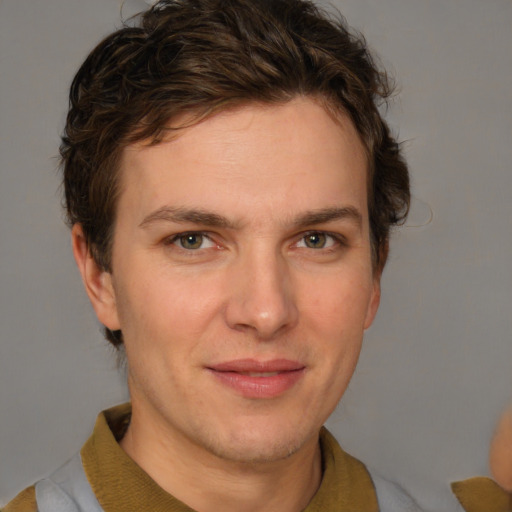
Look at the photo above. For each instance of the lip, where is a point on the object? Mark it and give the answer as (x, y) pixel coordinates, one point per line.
(258, 379)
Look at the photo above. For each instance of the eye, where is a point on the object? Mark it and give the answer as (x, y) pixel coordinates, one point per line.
(317, 240)
(192, 241)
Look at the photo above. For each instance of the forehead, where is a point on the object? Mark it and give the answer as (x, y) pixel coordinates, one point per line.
(277, 157)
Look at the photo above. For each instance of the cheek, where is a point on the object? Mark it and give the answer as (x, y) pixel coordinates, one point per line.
(339, 303)
(166, 310)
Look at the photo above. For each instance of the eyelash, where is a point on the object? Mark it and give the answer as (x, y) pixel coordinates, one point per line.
(175, 238)
(337, 240)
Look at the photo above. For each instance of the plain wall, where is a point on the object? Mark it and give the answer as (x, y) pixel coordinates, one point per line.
(435, 370)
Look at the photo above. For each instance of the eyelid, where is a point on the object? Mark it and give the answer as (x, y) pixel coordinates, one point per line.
(338, 238)
(173, 239)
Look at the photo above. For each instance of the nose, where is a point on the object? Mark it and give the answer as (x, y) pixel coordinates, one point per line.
(262, 298)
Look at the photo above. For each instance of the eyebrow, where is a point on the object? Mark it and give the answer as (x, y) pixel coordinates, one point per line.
(210, 219)
(182, 215)
(326, 215)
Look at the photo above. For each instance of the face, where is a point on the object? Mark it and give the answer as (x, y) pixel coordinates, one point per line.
(242, 277)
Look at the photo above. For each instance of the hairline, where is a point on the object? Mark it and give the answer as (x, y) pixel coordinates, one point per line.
(192, 117)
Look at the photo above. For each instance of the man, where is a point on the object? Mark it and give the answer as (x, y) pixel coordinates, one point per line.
(230, 185)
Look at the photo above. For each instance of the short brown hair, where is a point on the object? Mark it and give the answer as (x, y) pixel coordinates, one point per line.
(200, 56)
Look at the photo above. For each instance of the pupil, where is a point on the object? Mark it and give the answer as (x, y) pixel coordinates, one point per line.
(316, 240)
(191, 241)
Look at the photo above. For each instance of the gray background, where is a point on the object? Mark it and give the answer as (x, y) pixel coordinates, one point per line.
(435, 368)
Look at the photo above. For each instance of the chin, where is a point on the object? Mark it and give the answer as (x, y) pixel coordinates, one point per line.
(251, 453)
(253, 445)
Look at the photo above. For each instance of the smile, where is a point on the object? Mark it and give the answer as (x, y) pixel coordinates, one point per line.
(259, 374)
(258, 380)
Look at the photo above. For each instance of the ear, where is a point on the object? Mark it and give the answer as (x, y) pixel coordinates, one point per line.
(97, 282)
(373, 306)
(374, 302)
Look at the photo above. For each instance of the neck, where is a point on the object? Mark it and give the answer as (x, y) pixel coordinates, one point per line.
(208, 483)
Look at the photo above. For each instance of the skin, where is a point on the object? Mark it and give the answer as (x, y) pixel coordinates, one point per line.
(500, 457)
(283, 271)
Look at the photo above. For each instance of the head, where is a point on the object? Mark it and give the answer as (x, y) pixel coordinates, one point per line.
(186, 60)
(231, 187)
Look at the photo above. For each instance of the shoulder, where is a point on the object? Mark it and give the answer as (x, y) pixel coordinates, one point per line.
(352, 478)
(481, 494)
(392, 497)
(24, 502)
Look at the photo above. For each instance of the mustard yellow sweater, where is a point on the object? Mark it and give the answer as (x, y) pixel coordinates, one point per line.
(121, 485)
(481, 494)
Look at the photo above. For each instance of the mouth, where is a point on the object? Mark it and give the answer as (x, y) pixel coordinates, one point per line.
(258, 379)
(259, 374)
